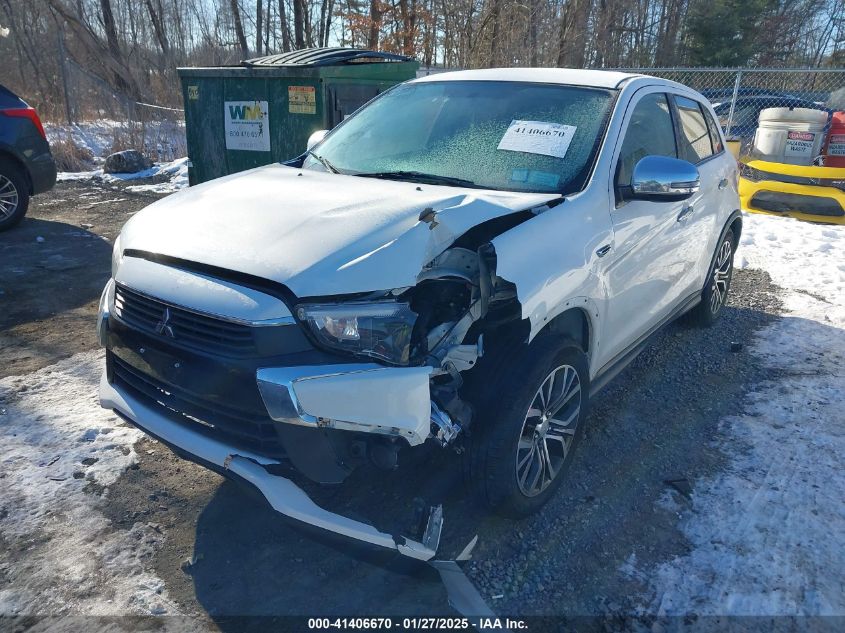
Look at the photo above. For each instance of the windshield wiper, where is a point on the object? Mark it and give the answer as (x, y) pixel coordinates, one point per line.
(418, 176)
(324, 162)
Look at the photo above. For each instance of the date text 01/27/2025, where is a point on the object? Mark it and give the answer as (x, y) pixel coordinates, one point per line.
(417, 623)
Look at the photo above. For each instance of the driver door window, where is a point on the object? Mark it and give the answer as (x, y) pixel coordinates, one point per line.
(650, 132)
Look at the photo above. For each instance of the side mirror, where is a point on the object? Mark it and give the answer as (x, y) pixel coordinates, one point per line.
(315, 138)
(664, 178)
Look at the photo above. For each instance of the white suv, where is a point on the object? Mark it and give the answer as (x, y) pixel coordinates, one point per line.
(463, 262)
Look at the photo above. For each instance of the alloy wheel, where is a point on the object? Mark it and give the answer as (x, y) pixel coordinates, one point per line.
(8, 198)
(721, 276)
(548, 430)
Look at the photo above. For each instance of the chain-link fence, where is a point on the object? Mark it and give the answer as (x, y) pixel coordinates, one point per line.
(739, 95)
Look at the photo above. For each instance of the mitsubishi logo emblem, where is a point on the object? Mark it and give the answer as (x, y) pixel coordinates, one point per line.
(163, 327)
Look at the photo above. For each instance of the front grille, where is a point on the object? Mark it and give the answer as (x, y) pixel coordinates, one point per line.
(237, 427)
(189, 329)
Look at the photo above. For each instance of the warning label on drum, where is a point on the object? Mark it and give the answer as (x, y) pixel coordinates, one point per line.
(836, 145)
(799, 144)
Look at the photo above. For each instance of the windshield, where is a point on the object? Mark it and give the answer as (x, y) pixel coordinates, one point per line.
(495, 135)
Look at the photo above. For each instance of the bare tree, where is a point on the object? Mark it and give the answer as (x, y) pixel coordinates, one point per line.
(157, 19)
(375, 25)
(239, 28)
(259, 26)
(299, 10)
(72, 56)
(283, 26)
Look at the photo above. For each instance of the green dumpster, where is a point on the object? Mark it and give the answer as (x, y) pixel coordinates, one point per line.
(264, 110)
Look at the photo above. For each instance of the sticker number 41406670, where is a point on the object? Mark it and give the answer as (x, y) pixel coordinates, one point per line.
(538, 137)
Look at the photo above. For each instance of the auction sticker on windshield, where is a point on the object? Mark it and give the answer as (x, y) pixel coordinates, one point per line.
(247, 125)
(538, 137)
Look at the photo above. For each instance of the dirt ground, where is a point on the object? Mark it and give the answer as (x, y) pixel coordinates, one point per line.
(52, 270)
(225, 553)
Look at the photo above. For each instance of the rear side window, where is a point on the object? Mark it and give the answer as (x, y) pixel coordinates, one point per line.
(695, 144)
(649, 133)
(713, 128)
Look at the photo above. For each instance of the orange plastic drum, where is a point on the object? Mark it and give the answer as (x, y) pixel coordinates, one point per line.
(834, 149)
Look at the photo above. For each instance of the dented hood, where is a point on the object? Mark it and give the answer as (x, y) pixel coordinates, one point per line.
(317, 233)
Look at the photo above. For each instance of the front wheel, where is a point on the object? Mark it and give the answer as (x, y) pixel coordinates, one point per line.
(715, 292)
(523, 442)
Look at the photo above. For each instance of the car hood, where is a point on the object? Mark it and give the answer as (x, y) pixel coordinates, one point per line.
(315, 232)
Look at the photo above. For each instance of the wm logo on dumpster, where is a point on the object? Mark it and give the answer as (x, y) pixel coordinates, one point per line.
(245, 112)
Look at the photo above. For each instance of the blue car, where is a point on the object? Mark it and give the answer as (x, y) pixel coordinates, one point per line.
(26, 165)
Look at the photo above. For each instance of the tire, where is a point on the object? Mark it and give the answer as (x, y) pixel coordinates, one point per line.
(14, 195)
(714, 295)
(508, 429)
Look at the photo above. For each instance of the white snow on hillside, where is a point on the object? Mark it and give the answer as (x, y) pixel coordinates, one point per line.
(768, 534)
(165, 140)
(61, 452)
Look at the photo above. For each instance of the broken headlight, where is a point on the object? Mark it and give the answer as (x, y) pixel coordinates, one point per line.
(379, 329)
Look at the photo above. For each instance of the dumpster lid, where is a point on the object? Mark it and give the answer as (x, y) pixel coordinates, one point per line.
(332, 56)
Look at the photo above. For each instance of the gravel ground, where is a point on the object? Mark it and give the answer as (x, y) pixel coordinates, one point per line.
(225, 553)
(655, 422)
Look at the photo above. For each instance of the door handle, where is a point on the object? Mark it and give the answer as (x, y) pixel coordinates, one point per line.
(604, 250)
(723, 183)
(685, 212)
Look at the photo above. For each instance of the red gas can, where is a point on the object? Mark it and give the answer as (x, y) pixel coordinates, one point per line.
(834, 149)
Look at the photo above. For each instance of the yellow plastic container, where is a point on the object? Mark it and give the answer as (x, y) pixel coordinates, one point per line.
(733, 147)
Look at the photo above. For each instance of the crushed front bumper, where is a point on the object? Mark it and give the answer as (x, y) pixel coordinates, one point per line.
(283, 495)
(362, 397)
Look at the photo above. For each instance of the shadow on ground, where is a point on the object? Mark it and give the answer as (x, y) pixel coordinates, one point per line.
(249, 562)
(51, 277)
(49, 267)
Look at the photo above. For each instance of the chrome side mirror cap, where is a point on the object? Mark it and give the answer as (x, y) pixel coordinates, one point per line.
(664, 178)
(315, 138)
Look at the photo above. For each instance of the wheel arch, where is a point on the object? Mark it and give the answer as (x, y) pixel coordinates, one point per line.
(574, 323)
(734, 224)
(7, 154)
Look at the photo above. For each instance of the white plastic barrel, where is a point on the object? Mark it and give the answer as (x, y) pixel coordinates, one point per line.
(789, 135)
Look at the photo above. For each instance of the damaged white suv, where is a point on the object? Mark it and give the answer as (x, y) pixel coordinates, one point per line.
(463, 262)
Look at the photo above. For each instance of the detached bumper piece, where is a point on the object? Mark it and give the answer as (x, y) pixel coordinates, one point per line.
(365, 397)
(815, 194)
(283, 495)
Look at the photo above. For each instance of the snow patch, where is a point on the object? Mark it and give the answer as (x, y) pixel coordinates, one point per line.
(177, 173)
(61, 452)
(799, 256)
(768, 534)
